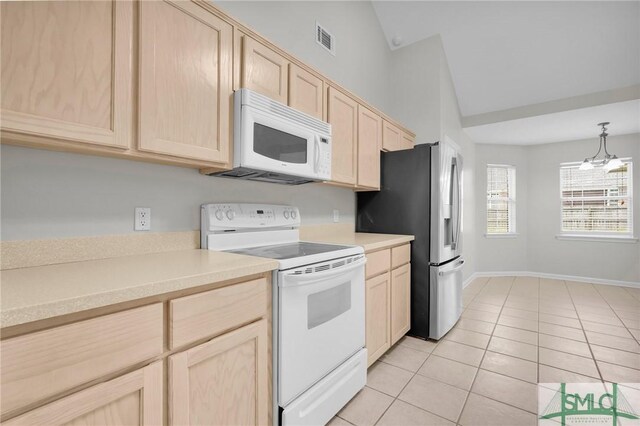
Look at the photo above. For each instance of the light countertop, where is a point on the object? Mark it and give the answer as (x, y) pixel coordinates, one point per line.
(42, 292)
(36, 293)
(369, 242)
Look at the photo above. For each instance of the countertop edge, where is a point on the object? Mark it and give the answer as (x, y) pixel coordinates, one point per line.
(27, 314)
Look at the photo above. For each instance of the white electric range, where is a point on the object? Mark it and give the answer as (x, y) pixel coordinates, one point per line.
(319, 358)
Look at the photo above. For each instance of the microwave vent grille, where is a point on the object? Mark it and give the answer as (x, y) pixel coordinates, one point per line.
(287, 113)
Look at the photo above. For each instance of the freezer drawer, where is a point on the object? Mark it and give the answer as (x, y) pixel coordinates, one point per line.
(445, 305)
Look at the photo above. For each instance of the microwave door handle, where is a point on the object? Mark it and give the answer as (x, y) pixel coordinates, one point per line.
(316, 161)
(313, 277)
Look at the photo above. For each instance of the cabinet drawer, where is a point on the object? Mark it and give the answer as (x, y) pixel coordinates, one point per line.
(40, 365)
(400, 255)
(378, 262)
(207, 314)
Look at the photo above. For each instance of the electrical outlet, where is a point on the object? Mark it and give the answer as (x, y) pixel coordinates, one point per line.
(336, 216)
(142, 220)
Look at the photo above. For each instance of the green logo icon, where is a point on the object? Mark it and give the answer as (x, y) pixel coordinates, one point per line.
(565, 404)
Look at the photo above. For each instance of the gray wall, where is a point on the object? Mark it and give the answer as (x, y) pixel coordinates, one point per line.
(424, 99)
(536, 248)
(48, 194)
(363, 58)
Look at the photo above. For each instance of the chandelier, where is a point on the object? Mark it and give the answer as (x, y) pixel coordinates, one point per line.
(609, 162)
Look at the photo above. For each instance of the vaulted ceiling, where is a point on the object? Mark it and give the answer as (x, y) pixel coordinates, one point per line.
(507, 54)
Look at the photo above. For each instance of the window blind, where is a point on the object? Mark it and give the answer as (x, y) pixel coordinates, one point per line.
(596, 202)
(501, 199)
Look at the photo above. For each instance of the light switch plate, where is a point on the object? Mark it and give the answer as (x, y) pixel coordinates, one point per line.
(336, 216)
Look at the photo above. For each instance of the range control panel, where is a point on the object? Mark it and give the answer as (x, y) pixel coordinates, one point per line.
(227, 216)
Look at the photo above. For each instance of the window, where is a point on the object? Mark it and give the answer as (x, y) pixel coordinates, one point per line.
(595, 202)
(501, 199)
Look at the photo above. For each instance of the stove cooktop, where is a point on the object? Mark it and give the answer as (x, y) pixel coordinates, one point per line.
(289, 250)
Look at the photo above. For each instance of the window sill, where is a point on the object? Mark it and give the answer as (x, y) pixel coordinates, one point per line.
(505, 235)
(598, 238)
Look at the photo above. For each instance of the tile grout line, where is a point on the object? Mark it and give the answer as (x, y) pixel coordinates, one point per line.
(617, 316)
(464, 404)
(593, 358)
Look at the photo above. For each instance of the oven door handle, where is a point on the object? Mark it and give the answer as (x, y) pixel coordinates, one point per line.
(293, 280)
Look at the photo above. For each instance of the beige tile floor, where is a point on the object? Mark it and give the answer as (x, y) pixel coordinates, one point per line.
(514, 332)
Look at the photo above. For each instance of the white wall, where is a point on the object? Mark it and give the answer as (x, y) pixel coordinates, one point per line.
(536, 248)
(362, 61)
(55, 195)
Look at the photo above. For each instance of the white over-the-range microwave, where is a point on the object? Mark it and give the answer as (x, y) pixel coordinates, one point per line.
(273, 142)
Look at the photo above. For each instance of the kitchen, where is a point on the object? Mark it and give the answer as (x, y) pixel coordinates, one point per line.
(67, 216)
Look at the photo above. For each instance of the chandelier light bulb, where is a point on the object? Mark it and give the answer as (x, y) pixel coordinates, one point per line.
(586, 165)
(613, 164)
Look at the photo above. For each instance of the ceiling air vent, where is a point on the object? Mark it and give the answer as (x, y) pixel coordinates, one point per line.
(325, 39)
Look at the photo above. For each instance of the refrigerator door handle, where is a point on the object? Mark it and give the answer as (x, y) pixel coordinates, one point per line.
(455, 230)
(459, 266)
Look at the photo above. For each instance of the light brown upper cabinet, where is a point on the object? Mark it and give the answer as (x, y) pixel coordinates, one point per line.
(185, 81)
(369, 142)
(391, 137)
(66, 71)
(264, 70)
(343, 117)
(408, 141)
(223, 381)
(305, 91)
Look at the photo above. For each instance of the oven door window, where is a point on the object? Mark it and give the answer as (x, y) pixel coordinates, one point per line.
(328, 304)
(278, 145)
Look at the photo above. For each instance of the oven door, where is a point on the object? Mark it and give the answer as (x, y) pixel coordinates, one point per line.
(272, 144)
(321, 322)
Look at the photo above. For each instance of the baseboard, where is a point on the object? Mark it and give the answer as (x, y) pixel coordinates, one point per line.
(551, 276)
(470, 279)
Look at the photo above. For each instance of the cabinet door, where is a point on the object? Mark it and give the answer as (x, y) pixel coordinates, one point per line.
(263, 70)
(132, 399)
(378, 306)
(391, 137)
(66, 71)
(369, 142)
(223, 381)
(305, 91)
(185, 81)
(408, 141)
(400, 302)
(343, 117)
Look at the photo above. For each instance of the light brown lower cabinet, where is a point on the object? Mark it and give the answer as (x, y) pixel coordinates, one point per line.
(65, 374)
(132, 399)
(388, 299)
(223, 381)
(378, 299)
(400, 302)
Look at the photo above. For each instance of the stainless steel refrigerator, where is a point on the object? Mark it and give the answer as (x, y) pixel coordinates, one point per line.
(421, 194)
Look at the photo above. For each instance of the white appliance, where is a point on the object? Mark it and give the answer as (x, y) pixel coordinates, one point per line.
(319, 358)
(276, 143)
